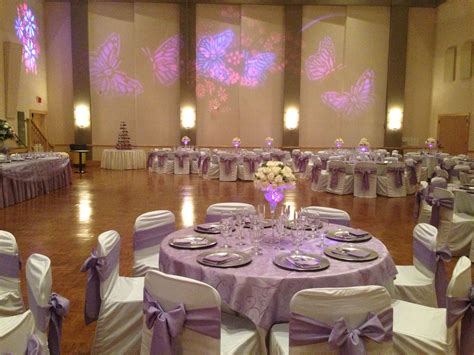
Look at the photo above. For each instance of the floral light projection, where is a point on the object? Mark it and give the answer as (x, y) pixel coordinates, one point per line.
(26, 29)
(322, 63)
(355, 101)
(105, 75)
(165, 60)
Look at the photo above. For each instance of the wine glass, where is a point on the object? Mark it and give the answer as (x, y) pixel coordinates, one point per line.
(257, 235)
(281, 230)
(313, 221)
(240, 222)
(322, 232)
(224, 228)
(297, 235)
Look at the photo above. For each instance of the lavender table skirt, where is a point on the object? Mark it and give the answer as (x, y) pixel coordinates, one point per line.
(262, 291)
(20, 181)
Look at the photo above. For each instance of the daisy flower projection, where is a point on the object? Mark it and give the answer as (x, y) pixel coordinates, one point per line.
(26, 28)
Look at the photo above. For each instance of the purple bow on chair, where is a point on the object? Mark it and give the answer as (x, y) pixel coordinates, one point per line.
(228, 161)
(315, 172)
(456, 308)
(167, 325)
(10, 265)
(307, 331)
(199, 162)
(420, 195)
(252, 162)
(335, 176)
(436, 204)
(412, 174)
(398, 174)
(151, 156)
(205, 164)
(33, 346)
(365, 172)
(181, 156)
(303, 161)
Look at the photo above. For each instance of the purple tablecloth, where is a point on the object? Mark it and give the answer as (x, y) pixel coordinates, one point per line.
(262, 291)
(20, 181)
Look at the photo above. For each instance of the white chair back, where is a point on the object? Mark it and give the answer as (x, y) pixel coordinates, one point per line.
(360, 189)
(15, 332)
(11, 301)
(228, 166)
(107, 244)
(216, 211)
(425, 234)
(332, 215)
(464, 203)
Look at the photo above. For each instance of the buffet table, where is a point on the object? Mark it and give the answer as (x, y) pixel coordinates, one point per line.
(29, 178)
(262, 291)
(117, 159)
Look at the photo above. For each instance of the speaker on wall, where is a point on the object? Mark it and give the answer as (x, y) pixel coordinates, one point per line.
(12, 67)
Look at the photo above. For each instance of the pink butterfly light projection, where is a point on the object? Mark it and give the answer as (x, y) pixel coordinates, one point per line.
(106, 77)
(26, 29)
(322, 63)
(166, 60)
(355, 101)
(255, 68)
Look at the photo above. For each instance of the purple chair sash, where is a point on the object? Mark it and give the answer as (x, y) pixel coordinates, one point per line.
(434, 261)
(307, 331)
(167, 325)
(436, 204)
(335, 176)
(302, 163)
(324, 161)
(457, 307)
(205, 164)
(147, 238)
(50, 318)
(181, 156)
(228, 161)
(315, 173)
(398, 173)
(412, 174)
(10, 265)
(199, 161)
(420, 195)
(33, 346)
(252, 163)
(161, 157)
(365, 172)
(98, 269)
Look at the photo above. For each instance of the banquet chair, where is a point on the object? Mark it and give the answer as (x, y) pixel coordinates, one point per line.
(419, 282)
(213, 171)
(465, 178)
(164, 165)
(365, 179)
(114, 301)
(295, 155)
(439, 172)
(216, 211)
(339, 182)
(194, 158)
(193, 308)
(11, 301)
(455, 178)
(411, 179)
(228, 167)
(419, 329)
(461, 234)
(17, 334)
(182, 165)
(319, 177)
(332, 215)
(150, 229)
(258, 151)
(428, 164)
(392, 184)
(248, 167)
(48, 308)
(322, 321)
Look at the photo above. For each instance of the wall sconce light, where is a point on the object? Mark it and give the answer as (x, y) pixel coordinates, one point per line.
(395, 119)
(188, 117)
(292, 118)
(82, 116)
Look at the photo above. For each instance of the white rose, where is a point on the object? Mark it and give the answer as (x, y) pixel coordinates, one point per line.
(286, 170)
(279, 179)
(270, 176)
(266, 171)
(263, 177)
(276, 170)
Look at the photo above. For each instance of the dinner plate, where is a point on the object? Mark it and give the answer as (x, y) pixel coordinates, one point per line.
(208, 228)
(266, 224)
(192, 241)
(342, 252)
(228, 258)
(345, 235)
(295, 262)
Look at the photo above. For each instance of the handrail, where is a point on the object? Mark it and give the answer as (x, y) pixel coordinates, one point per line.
(36, 136)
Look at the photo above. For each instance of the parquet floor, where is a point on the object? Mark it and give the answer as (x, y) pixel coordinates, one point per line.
(64, 225)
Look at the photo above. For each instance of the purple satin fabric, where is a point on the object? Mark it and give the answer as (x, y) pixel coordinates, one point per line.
(335, 176)
(365, 172)
(434, 261)
(306, 331)
(252, 163)
(33, 346)
(50, 318)
(436, 204)
(228, 161)
(205, 164)
(398, 173)
(412, 174)
(199, 161)
(457, 307)
(315, 173)
(420, 195)
(98, 269)
(303, 163)
(10, 265)
(161, 157)
(181, 156)
(167, 325)
(147, 238)
(324, 161)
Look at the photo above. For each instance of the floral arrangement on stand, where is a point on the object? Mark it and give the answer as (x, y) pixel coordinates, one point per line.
(431, 143)
(269, 141)
(364, 145)
(6, 132)
(339, 142)
(186, 140)
(236, 142)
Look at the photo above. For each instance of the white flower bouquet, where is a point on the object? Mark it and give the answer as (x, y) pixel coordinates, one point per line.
(236, 142)
(339, 142)
(274, 174)
(269, 141)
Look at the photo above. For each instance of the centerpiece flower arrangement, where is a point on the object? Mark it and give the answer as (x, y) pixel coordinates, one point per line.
(364, 145)
(236, 142)
(339, 142)
(185, 140)
(269, 141)
(6, 132)
(431, 143)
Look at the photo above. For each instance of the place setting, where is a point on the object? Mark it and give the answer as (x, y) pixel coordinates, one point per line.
(345, 234)
(349, 252)
(193, 241)
(208, 228)
(301, 262)
(224, 258)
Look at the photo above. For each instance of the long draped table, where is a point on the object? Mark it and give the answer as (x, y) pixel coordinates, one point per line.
(23, 180)
(262, 291)
(117, 159)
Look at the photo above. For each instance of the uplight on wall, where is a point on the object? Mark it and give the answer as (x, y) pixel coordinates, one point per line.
(395, 119)
(188, 117)
(82, 116)
(292, 118)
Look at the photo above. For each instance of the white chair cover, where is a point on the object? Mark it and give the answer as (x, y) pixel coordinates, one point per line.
(332, 215)
(15, 331)
(119, 325)
(339, 182)
(319, 178)
(429, 162)
(465, 178)
(213, 172)
(446, 217)
(153, 226)
(11, 301)
(455, 178)
(216, 211)
(365, 171)
(392, 184)
(461, 234)
(329, 305)
(194, 162)
(411, 179)
(166, 165)
(415, 283)
(248, 167)
(228, 167)
(419, 329)
(182, 165)
(238, 336)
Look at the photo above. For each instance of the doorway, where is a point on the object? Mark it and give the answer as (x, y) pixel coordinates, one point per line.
(453, 133)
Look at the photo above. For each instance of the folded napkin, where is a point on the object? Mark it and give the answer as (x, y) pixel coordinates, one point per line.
(358, 232)
(190, 241)
(205, 227)
(357, 253)
(303, 262)
(222, 258)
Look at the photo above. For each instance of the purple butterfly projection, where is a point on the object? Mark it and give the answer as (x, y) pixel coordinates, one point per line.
(165, 60)
(355, 101)
(322, 63)
(255, 68)
(106, 77)
(26, 28)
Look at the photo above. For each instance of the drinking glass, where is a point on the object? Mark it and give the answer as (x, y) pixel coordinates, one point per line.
(322, 233)
(224, 227)
(257, 235)
(297, 235)
(240, 218)
(281, 230)
(313, 221)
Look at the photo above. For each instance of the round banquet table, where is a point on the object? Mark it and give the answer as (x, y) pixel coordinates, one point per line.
(117, 159)
(261, 290)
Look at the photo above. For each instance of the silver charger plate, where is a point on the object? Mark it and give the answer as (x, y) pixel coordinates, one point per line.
(214, 230)
(342, 235)
(340, 252)
(241, 258)
(192, 237)
(282, 260)
(266, 224)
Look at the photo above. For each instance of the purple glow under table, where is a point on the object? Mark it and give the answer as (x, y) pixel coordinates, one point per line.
(262, 291)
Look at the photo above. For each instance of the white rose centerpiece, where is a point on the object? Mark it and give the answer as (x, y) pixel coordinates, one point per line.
(364, 145)
(339, 142)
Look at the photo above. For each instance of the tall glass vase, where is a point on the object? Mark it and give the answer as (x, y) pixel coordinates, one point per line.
(274, 196)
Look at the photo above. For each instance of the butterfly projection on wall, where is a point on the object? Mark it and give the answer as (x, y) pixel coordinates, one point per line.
(165, 60)
(356, 100)
(26, 28)
(256, 67)
(322, 63)
(105, 73)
